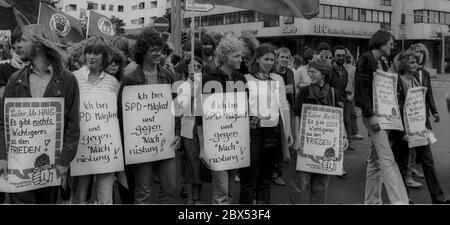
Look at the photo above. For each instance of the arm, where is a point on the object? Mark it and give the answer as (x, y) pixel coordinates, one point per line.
(71, 124)
(429, 95)
(285, 111)
(363, 89)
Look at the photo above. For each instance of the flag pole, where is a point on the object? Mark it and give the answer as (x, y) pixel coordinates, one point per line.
(88, 22)
(192, 33)
(39, 13)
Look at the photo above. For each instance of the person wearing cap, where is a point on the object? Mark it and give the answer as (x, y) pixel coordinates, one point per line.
(307, 187)
(381, 165)
(268, 127)
(44, 77)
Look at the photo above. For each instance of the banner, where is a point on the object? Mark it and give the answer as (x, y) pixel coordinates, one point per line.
(148, 123)
(34, 136)
(10, 17)
(385, 103)
(295, 8)
(414, 113)
(226, 131)
(99, 25)
(321, 140)
(100, 145)
(59, 22)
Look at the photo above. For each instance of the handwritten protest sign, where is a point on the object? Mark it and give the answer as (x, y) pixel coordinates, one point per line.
(100, 145)
(415, 117)
(385, 104)
(148, 123)
(34, 135)
(226, 131)
(321, 140)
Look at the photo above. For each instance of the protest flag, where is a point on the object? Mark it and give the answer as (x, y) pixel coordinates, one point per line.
(62, 24)
(99, 25)
(10, 17)
(294, 8)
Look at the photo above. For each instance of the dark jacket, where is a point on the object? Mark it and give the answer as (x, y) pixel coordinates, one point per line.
(288, 79)
(339, 83)
(6, 71)
(61, 85)
(137, 77)
(367, 65)
(219, 76)
(429, 98)
(303, 98)
(401, 98)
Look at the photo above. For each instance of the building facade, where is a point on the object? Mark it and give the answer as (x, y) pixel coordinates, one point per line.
(340, 22)
(136, 14)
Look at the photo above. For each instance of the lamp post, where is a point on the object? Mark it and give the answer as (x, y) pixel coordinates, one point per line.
(443, 39)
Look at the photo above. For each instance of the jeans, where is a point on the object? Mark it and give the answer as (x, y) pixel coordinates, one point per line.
(48, 195)
(143, 180)
(222, 182)
(401, 153)
(382, 168)
(104, 185)
(353, 119)
(348, 109)
(256, 180)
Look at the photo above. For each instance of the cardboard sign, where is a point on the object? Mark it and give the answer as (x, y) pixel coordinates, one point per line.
(385, 103)
(100, 145)
(34, 137)
(148, 123)
(321, 140)
(226, 131)
(415, 117)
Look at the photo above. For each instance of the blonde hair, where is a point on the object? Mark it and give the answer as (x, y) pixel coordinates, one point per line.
(225, 47)
(420, 47)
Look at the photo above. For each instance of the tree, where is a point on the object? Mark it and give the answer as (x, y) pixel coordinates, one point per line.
(118, 25)
(30, 8)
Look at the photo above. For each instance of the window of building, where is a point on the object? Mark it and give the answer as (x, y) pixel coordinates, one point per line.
(92, 6)
(321, 11)
(288, 20)
(447, 18)
(153, 4)
(142, 5)
(120, 8)
(418, 18)
(341, 13)
(348, 13)
(134, 21)
(271, 20)
(327, 11)
(103, 6)
(111, 7)
(356, 14)
(368, 16)
(386, 2)
(375, 16)
(441, 17)
(141, 20)
(385, 26)
(134, 7)
(425, 16)
(334, 12)
(387, 17)
(197, 21)
(362, 15)
(71, 7)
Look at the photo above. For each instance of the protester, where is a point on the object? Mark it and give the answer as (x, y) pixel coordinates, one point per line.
(381, 165)
(46, 77)
(228, 54)
(208, 52)
(311, 188)
(351, 69)
(265, 131)
(301, 76)
(117, 64)
(297, 61)
(250, 44)
(148, 71)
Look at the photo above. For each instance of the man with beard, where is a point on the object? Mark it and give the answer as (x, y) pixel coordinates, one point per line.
(44, 77)
(208, 52)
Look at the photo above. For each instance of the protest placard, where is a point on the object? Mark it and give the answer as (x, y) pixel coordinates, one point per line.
(414, 113)
(100, 145)
(34, 136)
(321, 140)
(385, 104)
(148, 123)
(226, 131)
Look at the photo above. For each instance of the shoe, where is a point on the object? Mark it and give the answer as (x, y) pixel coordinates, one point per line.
(413, 184)
(278, 181)
(183, 192)
(416, 173)
(357, 137)
(237, 179)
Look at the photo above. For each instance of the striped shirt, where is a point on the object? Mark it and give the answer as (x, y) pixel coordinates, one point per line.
(105, 82)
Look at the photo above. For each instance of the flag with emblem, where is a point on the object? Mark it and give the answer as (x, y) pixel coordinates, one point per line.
(62, 24)
(99, 25)
(295, 8)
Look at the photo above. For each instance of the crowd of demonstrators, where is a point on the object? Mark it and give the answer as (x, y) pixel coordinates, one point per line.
(36, 67)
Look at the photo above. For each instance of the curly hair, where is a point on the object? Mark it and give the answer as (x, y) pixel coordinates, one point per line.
(225, 47)
(118, 57)
(145, 40)
(323, 66)
(419, 47)
(124, 45)
(249, 41)
(403, 59)
(75, 56)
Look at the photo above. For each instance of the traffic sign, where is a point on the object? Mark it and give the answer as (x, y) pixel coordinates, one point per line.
(198, 6)
(161, 24)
